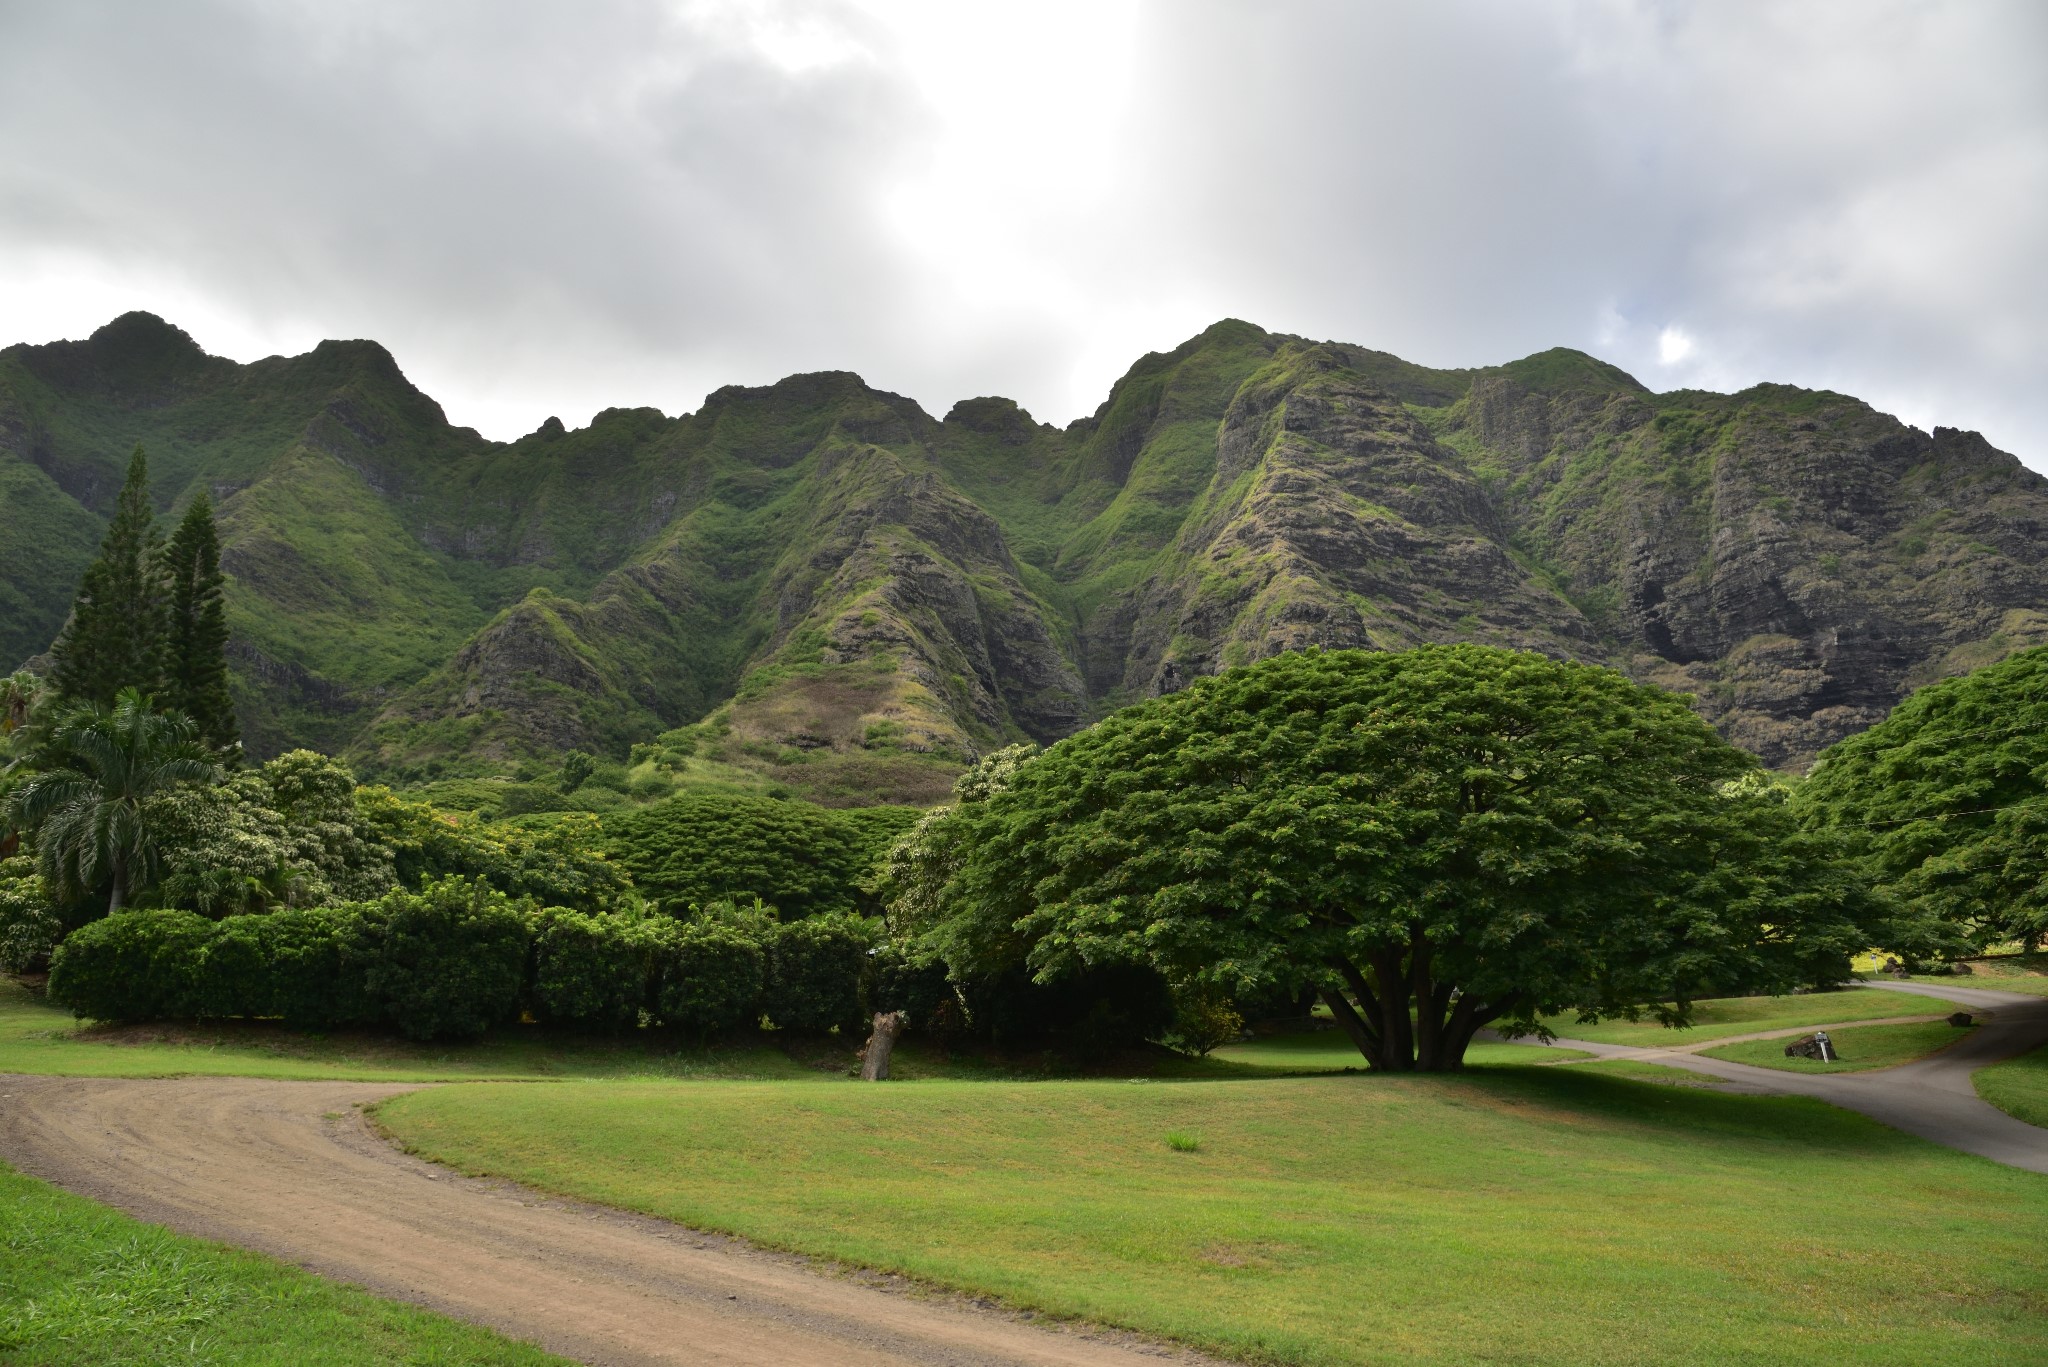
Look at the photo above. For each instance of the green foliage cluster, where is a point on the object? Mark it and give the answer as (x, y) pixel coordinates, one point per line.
(557, 860)
(29, 925)
(287, 834)
(803, 860)
(1944, 804)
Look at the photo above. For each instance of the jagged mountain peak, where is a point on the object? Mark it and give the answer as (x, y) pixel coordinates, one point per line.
(813, 583)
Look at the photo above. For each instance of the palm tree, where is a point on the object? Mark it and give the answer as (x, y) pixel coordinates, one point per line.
(19, 693)
(86, 807)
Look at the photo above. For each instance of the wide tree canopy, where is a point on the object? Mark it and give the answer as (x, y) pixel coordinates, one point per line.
(1436, 840)
(1946, 800)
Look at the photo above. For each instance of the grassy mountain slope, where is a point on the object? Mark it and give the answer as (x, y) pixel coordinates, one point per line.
(815, 586)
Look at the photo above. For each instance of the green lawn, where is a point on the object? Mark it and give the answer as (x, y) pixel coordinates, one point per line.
(1998, 975)
(1862, 1047)
(84, 1285)
(1508, 1216)
(1725, 1016)
(2019, 1087)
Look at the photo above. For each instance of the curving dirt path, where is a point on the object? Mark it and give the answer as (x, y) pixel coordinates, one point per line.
(292, 1169)
(1932, 1098)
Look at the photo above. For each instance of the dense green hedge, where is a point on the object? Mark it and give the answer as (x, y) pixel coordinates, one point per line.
(456, 958)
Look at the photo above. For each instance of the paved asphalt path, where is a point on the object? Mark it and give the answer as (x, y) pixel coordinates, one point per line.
(1932, 1098)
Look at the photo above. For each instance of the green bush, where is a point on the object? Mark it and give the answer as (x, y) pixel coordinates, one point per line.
(233, 977)
(132, 966)
(317, 964)
(447, 961)
(709, 977)
(802, 859)
(591, 971)
(814, 972)
(29, 924)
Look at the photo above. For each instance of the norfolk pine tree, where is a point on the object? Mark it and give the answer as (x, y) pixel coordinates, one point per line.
(195, 662)
(114, 638)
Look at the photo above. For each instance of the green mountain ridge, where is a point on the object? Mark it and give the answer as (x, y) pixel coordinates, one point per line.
(816, 584)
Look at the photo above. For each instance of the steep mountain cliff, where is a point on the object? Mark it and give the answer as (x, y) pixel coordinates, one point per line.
(817, 582)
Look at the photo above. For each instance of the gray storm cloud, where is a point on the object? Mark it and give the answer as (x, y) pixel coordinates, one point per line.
(552, 209)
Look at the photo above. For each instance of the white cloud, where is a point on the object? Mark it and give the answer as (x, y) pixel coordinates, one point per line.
(547, 209)
(1673, 346)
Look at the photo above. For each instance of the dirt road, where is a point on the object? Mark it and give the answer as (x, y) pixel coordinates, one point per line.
(293, 1170)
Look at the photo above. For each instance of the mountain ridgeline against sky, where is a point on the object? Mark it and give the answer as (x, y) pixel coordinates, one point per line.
(819, 581)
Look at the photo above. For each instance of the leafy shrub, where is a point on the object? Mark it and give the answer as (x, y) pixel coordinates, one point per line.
(814, 972)
(576, 768)
(232, 977)
(592, 971)
(802, 859)
(29, 924)
(709, 977)
(1203, 1017)
(447, 961)
(317, 965)
(558, 860)
(132, 966)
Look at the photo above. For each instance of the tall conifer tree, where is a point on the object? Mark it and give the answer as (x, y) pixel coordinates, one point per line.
(195, 661)
(114, 639)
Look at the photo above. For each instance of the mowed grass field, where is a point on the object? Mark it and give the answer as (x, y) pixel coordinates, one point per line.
(2019, 1087)
(84, 1286)
(1723, 1016)
(1508, 1216)
(1862, 1048)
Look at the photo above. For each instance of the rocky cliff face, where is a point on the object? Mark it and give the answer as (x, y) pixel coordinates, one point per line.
(817, 581)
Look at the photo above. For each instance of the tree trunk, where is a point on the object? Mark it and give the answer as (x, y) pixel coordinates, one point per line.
(1397, 1030)
(1362, 1035)
(1467, 1018)
(874, 1065)
(1363, 1021)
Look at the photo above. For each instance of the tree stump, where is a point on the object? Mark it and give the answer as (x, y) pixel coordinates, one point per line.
(874, 1065)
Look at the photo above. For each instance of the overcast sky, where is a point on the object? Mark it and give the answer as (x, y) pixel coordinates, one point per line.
(555, 208)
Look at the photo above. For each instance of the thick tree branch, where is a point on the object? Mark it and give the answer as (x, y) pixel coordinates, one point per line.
(1362, 1034)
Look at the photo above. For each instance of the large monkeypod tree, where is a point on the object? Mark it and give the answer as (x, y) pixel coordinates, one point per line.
(1438, 839)
(1945, 802)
